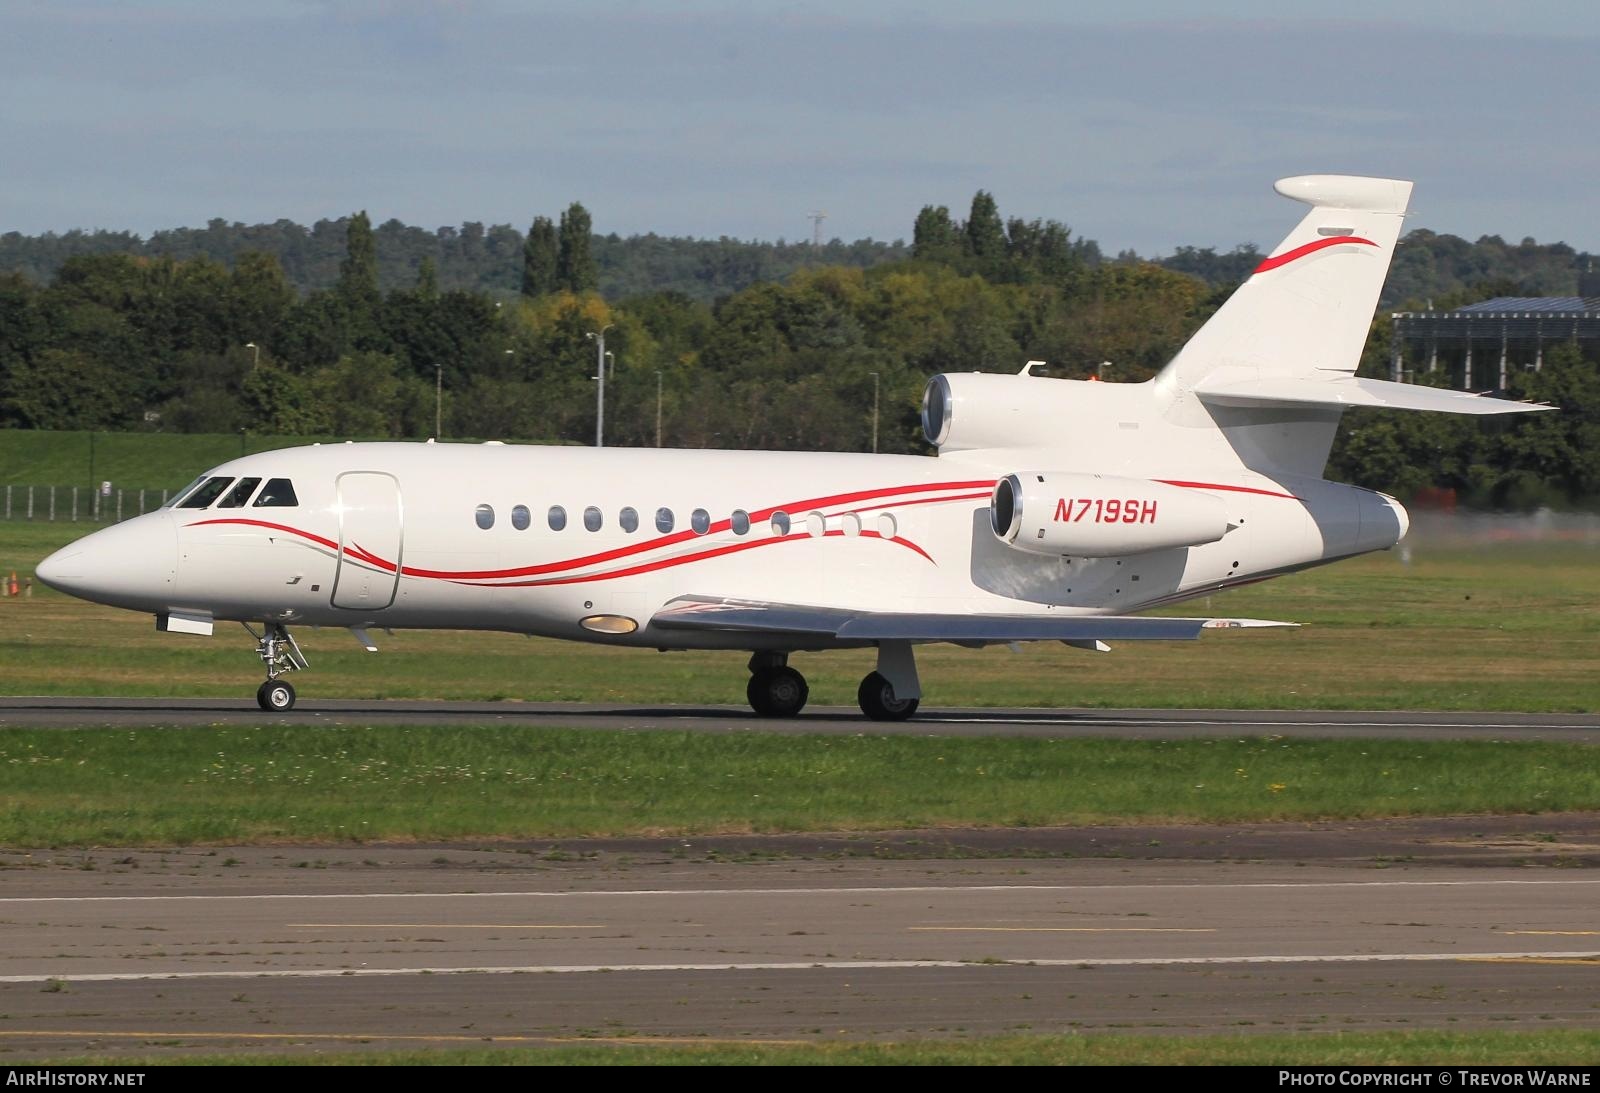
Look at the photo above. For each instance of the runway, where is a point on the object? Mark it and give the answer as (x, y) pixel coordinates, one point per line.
(1456, 922)
(1060, 723)
(321, 949)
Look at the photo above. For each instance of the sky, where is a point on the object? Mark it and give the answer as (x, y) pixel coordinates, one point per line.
(1139, 123)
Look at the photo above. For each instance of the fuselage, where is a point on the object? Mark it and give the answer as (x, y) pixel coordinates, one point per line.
(537, 539)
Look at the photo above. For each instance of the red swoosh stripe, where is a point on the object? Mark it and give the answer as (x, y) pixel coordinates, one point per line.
(685, 559)
(715, 552)
(886, 495)
(319, 540)
(1227, 489)
(687, 535)
(1310, 248)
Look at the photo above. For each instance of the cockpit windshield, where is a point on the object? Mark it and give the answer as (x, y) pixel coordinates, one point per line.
(239, 494)
(206, 494)
(183, 493)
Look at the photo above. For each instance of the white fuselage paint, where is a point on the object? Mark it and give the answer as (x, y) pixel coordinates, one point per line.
(867, 532)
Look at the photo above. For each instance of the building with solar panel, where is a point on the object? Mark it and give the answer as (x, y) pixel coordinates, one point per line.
(1484, 343)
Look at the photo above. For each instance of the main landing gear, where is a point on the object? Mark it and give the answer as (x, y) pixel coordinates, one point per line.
(280, 653)
(877, 698)
(775, 689)
(892, 693)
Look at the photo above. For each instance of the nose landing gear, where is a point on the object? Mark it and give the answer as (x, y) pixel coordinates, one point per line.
(275, 696)
(280, 653)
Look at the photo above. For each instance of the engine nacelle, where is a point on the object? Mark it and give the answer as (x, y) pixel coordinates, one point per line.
(965, 411)
(1101, 515)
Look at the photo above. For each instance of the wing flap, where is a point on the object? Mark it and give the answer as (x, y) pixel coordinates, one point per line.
(754, 616)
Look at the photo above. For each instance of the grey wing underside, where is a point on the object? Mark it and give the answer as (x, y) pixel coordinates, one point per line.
(709, 613)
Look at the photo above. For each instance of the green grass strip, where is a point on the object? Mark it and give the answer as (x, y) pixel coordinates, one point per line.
(1435, 627)
(1554, 1047)
(249, 784)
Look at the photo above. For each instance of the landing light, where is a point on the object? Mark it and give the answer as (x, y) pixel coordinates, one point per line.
(609, 624)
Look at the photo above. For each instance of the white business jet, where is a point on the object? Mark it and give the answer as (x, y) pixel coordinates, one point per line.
(1054, 510)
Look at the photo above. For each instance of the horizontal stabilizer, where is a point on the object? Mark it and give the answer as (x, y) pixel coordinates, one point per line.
(842, 624)
(1347, 391)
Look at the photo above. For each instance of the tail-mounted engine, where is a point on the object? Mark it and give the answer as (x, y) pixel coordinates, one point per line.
(966, 411)
(1100, 515)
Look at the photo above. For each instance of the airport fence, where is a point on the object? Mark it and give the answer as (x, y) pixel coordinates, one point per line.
(79, 504)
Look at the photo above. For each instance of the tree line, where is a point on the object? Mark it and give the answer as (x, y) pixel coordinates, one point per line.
(480, 258)
(471, 257)
(133, 341)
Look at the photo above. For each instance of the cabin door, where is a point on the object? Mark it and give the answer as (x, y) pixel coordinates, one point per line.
(369, 541)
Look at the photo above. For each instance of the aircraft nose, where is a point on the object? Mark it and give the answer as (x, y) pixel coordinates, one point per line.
(61, 567)
(126, 565)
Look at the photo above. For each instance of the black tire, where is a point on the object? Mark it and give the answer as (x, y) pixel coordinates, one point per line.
(876, 696)
(777, 692)
(275, 696)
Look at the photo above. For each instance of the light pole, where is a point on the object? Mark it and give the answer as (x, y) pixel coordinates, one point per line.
(257, 362)
(658, 407)
(874, 413)
(599, 338)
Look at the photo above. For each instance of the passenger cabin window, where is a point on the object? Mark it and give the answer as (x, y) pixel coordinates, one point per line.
(741, 522)
(592, 518)
(558, 518)
(239, 494)
(521, 517)
(780, 523)
(664, 520)
(202, 497)
(700, 520)
(485, 516)
(629, 519)
(278, 493)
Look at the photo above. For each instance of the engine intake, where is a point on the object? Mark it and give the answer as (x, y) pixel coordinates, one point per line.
(1101, 515)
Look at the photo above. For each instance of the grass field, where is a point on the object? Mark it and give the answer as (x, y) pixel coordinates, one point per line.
(312, 783)
(34, 457)
(134, 461)
(1555, 1047)
(1512, 627)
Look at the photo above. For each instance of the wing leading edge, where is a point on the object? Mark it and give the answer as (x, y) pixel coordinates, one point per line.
(843, 624)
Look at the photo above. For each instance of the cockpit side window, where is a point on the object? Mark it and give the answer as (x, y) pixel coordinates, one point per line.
(202, 497)
(239, 494)
(278, 493)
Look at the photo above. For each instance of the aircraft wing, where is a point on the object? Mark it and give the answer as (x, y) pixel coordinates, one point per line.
(843, 624)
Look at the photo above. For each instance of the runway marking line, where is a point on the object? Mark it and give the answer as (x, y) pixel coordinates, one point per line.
(816, 965)
(442, 926)
(1068, 929)
(1552, 933)
(1583, 961)
(1160, 723)
(654, 1041)
(611, 893)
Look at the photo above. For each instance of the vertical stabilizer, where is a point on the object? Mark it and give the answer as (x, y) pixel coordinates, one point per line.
(1303, 314)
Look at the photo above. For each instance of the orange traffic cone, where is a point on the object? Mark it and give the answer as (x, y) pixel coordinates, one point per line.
(11, 585)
